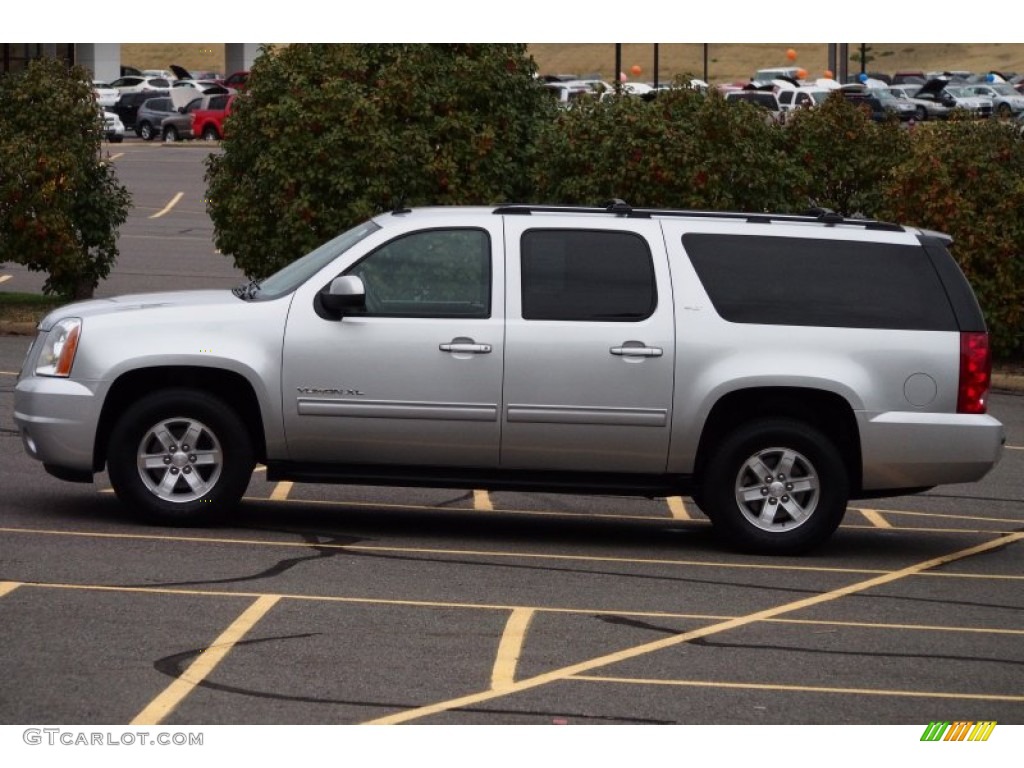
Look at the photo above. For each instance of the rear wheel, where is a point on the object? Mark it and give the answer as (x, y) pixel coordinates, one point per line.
(171, 133)
(180, 457)
(146, 132)
(775, 486)
(210, 133)
(921, 113)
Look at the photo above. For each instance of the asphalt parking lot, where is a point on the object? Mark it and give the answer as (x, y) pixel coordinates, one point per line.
(343, 605)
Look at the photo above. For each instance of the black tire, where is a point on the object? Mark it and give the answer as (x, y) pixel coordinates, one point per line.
(146, 132)
(158, 474)
(921, 114)
(1005, 111)
(170, 133)
(795, 501)
(210, 133)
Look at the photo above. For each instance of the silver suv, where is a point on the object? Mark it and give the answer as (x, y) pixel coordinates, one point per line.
(772, 367)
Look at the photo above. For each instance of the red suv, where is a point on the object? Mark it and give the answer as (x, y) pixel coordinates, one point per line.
(209, 123)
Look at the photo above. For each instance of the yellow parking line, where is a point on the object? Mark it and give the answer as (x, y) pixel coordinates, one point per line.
(6, 587)
(167, 208)
(158, 709)
(677, 507)
(875, 518)
(5, 278)
(115, 156)
(801, 688)
(281, 490)
(512, 640)
(8, 373)
(557, 675)
(482, 501)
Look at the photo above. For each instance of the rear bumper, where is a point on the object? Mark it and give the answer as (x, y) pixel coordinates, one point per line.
(908, 450)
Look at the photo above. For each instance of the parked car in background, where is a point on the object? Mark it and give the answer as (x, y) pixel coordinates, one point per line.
(881, 102)
(762, 97)
(106, 96)
(1006, 100)
(967, 100)
(151, 115)
(202, 86)
(930, 104)
(793, 97)
(137, 83)
(113, 128)
(127, 107)
(237, 80)
(208, 120)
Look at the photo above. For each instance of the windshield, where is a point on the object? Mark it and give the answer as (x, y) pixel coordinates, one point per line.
(299, 271)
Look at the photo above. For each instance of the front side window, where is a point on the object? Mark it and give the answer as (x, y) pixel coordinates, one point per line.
(433, 273)
(596, 276)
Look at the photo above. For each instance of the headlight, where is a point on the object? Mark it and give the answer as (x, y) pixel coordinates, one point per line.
(58, 353)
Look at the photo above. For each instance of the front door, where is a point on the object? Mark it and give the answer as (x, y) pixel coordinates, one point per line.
(415, 378)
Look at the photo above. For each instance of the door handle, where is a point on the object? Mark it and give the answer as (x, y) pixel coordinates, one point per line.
(636, 349)
(464, 345)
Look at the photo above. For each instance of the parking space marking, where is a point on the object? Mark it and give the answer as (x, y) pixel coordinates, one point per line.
(167, 208)
(115, 156)
(158, 709)
(482, 501)
(6, 587)
(504, 554)
(875, 518)
(677, 507)
(802, 688)
(8, 373)
(281, 491)
(5, 278)
(562, 611)
(643, 649)
(511, 645)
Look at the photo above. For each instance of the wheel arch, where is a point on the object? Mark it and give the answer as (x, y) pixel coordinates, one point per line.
(228, 386)
(827, 412)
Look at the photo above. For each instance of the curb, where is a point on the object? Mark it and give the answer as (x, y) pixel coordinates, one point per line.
(1001, 381)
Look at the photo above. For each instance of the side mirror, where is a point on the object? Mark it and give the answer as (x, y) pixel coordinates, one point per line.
(344, 294)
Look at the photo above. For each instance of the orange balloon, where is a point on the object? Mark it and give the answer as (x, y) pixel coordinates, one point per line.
(636, 69)
(791, 54)
(829, 74)
(801, 74)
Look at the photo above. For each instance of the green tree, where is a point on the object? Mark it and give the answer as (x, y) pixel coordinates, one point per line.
(842, 157)
(60, 204)
(966, 178)
(329, 134)
(683, 149)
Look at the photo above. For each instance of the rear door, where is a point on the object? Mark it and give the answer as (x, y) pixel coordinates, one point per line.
(590, 345)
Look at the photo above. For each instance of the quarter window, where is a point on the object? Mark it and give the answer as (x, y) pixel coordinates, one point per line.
(596, 276)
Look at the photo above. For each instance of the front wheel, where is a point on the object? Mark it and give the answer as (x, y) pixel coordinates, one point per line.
(776, 486)
(921, 114)
(146, 132)
(180, 457)
(210, 133)
(170, 134)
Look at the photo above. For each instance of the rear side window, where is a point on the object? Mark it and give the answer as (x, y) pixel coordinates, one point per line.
(596, 276)
(812, 282)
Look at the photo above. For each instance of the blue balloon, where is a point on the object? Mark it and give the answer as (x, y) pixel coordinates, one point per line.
(862, 77)
(990, 78)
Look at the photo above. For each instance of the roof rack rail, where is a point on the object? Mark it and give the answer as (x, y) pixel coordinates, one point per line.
(620, 208)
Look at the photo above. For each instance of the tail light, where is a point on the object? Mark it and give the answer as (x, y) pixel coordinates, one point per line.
(975, 373)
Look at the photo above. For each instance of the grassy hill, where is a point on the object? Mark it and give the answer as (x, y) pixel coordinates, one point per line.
(726, 62)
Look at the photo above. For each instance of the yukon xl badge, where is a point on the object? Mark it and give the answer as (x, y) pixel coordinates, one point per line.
(329, 391)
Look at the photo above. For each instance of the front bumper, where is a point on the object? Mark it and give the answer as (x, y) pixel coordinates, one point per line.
(57, 420)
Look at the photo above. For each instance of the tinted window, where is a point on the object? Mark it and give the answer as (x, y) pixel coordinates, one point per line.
(434, 273)
(218, 102)
(835, 283)
(584, 275)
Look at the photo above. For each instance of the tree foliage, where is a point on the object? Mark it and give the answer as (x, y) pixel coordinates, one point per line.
(332, 134)
(60, 204)
(328, 135)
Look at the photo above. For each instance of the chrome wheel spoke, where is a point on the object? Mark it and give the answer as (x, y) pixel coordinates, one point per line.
(167, 454)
